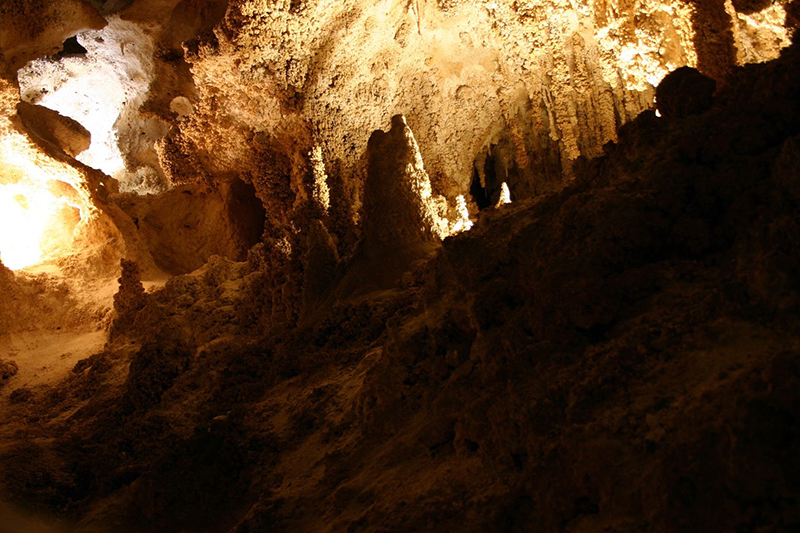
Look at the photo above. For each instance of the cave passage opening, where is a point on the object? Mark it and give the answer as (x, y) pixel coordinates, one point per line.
(101, 79)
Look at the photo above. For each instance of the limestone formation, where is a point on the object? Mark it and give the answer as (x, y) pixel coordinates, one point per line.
(685, 92)
(398, 199)
(129, 299)
(35, 28)
(54, 129)
(320, 264)
(561, 291)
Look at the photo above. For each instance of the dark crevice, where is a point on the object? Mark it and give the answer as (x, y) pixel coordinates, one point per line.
(71, 48)
(477, 191)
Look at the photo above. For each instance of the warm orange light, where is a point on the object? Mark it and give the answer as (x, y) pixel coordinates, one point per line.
(40, 204)
(24, 214)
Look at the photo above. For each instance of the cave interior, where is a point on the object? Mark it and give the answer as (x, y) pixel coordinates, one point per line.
(399, 265)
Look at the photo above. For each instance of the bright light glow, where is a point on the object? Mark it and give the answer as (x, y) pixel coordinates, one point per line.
(463, 223)
(26, 215)
(505, 194)
(41, 204)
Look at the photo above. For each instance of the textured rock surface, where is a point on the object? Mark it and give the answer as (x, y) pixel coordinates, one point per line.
(7, 370)
(620, 355)
(35, 28)
(295, 349)
(54, 129)
(685, 92)
(398, 202)
(130, 297)
(544, 82)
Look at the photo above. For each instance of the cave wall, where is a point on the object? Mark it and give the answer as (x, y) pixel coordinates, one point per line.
(285, 94)
(551, 81)
(645, 313)
(616, 356)
(33, 29)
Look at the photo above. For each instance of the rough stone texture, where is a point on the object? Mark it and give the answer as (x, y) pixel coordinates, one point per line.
(6, 274)
(38, 303)
(619, 355)
(685, 92)
(7, 370)
(488, 61)
(103, 89)
(544, 83)
(183, 227)
(495, 92)
(130, 298)
(54, 129)
(616, 350)
(88, 242)
(36, 28)
(398, 201)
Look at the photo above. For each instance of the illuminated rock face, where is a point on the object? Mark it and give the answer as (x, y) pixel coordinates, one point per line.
(103, 88)
(495, 91)
(46, 203)
(551, 81)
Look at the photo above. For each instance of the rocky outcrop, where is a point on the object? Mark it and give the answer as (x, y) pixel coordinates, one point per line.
(614, 350)
(553, 81)
(398, 199)
(37, 28)
(182, 228)
(508, 92)
(685, 92)
(54, 130)
(41, 303)
(130, 298)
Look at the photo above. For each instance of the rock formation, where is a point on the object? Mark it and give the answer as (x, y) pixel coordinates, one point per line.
(55, 130)
(560, 292)
(398, 200)
(685, 92)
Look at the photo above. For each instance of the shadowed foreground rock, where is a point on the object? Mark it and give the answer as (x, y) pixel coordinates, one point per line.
(54, 130)
(685, 92)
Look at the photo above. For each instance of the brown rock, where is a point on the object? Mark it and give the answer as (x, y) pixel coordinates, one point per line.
(53, 129)
(7, 370)
(36, 28)
(685, 92)
(396, 214)
(130, 297)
